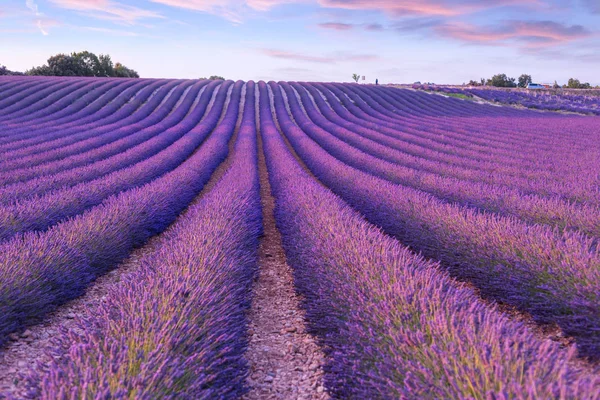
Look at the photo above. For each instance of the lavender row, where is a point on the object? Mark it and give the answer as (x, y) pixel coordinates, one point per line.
(102, 143)
(25, 138)
(161, 136)
(392, 324)
(493, 132)
(554, 277)
(124, 151)
(33, 95)
(444, 140)
(190, 333)
(578, 185)
(41, 212)
(548, 100)
(46, 99)
(15, 90)
(507, 202)
(41, 139)
(69, 102)
(39, 271)
(89, 106)
(414, 144)
(502, 128)
(370, 141)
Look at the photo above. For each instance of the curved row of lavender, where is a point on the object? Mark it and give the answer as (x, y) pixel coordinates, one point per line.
(93, 173)
(40, 270)
(197, 280)
(548, 100)
(393, 325)
(555, 277)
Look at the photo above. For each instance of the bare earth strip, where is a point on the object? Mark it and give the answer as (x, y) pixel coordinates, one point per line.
(285, 361)
(29, 350)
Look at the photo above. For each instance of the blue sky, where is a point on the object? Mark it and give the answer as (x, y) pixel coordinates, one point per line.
(442, 41)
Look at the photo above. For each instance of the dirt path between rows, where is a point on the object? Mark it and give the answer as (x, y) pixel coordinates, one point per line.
(285, 361)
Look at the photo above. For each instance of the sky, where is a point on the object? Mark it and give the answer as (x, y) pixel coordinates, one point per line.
(401, 41)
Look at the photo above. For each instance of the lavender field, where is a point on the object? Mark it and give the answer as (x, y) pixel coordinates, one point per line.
(436, 248)
(578, 101)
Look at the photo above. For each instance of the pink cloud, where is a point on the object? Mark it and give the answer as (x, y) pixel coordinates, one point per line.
(107, 9)
(532, 33)
(233, 10)
(236, 9)
(336, 26)
(446, 8)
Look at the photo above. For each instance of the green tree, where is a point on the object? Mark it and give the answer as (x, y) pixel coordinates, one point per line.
(122, 71)
(6, 71)
(524, 80)
(573, 83)
(216, 78)
(106, 67)
(501, 80)
(556, 85)
(356, 77)
(83, 63)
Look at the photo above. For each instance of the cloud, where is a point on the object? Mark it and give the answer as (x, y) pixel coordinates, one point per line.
(343, 26)
(107, 9)
(592, 5)
(41, 22)
(529, 33)
(330, 59)
(33, 7)
(336, 26)
(233, 10)
(446, 8)
(374, 27)
(41, 27)
(412, 25)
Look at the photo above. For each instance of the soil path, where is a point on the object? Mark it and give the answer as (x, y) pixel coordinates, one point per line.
(285, 361)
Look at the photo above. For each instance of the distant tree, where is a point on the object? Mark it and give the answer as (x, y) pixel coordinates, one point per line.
(6, 71)
(501, 80)
(122, 71)
(83, 63)
(216, 78)
(105, 66)
(573, 83)
(556, 85)
(482, 80)
(524, 80)
(576, 84)
(474, 83)
(356, 77)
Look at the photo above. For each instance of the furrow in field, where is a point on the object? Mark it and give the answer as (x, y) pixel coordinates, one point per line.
(56, 266)
(393, 324)
(554, 277)
(116, 138)
(165, 135)
(481, 196)
(285, 360)
(193, 344)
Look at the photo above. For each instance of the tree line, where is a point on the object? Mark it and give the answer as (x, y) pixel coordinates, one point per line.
(502, 80)
(83, 63)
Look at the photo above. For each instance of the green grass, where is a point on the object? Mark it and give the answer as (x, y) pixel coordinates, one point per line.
(457, 95)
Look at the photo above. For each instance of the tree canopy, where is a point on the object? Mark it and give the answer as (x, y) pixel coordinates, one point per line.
(501, 80)
(524, 80)
(84, 63)
(576, 84)
(6, 71)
